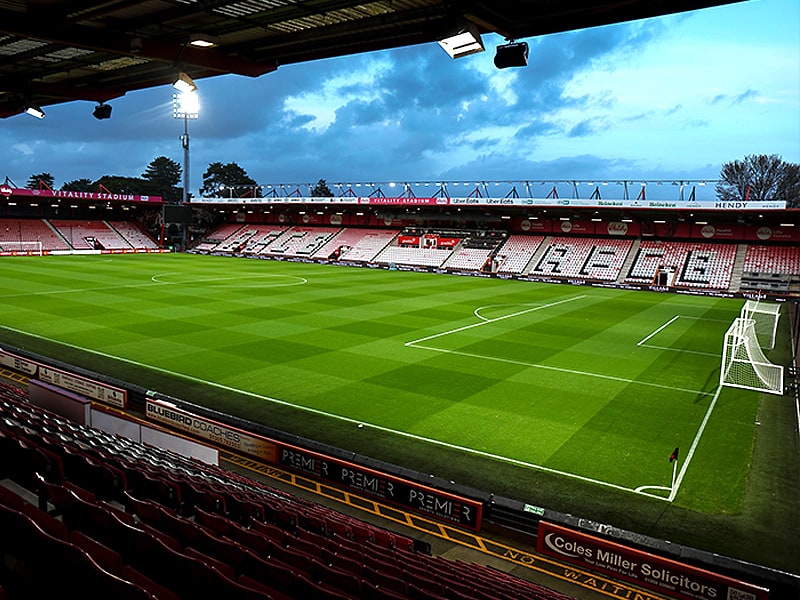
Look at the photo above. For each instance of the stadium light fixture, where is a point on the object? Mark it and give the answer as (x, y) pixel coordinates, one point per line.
(35, 111)
(184, 83)
(514, 54)
(203, 40)
(465, 41)
(102, 111)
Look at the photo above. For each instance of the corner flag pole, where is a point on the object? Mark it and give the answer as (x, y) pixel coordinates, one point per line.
(673, 458)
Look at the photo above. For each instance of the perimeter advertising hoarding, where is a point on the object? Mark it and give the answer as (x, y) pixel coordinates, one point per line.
(94, 390)
(663, 575)
(754, 206)
(207, 429)
(410, 495)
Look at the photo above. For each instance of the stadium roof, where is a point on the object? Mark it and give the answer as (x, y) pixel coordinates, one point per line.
(54, 51)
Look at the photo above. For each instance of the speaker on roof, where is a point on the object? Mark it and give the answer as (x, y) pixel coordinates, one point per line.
(102, 111)
(514, 54)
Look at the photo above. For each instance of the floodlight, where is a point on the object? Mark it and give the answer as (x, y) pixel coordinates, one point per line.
(203, 40)
(35, 111)
(514, 54)
(184, 83)
(186, 105)
(102, 111)
(464, 42)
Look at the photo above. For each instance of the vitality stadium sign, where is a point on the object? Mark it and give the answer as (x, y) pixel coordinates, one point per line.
(663, 575)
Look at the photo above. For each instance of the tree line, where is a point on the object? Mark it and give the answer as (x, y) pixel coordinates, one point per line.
(753, 178)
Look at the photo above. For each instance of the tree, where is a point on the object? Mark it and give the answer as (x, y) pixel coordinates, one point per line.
(161, 178)
(228, 180)
(39, 181)
(789, 186)
(759, 177)
(117, 184)
(79, 185)
(321, 190)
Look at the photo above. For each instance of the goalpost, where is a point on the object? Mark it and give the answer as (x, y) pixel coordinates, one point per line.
(743, 362)
(766, 317)
(32, 247)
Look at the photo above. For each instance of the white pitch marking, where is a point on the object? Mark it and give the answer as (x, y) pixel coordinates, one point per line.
(487, 321)
(344, 419)
(681, 350)
(659, 330)
(299, 280)
(562, 370)
(695, 442)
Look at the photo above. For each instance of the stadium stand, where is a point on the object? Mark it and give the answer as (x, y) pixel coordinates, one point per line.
(476, 251)
(65, 235)
(711, 266)
(301, 241)
(357, 245)
(238, 240)
(30, 230)
(262, 238)
(133, 234)
(686, 264)
(424, 257)
(93, 235)
(517, 251)
(468, 259)
(582, 258)
(81, 507)
(771, 268)
(223, 232)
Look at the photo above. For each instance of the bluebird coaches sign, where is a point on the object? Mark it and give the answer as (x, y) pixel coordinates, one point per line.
(663, 575)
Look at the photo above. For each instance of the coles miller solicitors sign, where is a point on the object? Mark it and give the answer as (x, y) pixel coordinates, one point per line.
(670, 577)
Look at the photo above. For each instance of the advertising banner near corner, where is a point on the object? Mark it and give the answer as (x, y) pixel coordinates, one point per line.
(94, 390)
(663, 575)
(213, 431)
(411, 495)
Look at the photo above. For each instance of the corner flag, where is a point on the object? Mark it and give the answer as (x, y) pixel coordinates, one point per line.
(674, 455)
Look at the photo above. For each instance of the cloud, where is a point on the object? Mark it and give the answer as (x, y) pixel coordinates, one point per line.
(598, 102)
(585, 128)
(734, 99)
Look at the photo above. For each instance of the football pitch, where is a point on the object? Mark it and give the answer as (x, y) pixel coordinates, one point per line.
(544, 393)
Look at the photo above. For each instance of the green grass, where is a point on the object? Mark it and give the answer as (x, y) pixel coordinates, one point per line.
(566, 397)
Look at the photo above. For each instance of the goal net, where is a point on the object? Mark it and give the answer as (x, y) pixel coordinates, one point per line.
(743, 362)
(34, 247)
(766, 316)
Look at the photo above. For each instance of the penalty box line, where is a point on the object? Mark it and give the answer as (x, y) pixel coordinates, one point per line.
(643, 342)
(418, 344)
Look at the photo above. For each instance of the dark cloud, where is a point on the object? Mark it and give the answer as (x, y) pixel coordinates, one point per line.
(409, 113)
(733, 99)
(585, 128)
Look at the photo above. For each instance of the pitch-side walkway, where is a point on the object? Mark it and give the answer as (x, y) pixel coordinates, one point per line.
(509, 552)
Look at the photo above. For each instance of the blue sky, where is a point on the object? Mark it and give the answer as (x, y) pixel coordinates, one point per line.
(666, 98)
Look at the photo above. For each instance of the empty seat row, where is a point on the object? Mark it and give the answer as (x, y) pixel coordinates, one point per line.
(170, 527)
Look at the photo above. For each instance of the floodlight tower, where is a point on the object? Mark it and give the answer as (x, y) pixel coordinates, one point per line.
(185, 105)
